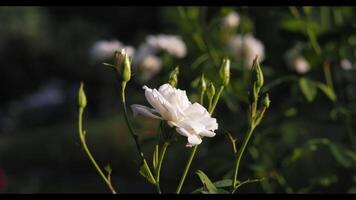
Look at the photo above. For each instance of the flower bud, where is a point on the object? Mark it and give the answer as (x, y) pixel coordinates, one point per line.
(202, 83)
(211, 90)
(173, 77)
(82, 99)
(125, 66)
(258, 71)
(225, 71)
(266, 101)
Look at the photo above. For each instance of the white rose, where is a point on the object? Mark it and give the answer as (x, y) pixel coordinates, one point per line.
(104, 49)
(190, 120)
(247, 47)
(346, 64)
(150, 66)
(172, 44)
(301, 65)
(231, 20)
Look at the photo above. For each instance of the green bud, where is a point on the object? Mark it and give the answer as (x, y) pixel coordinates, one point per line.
(211, 90)
(202, 83)
(259, 73)
(266, 101)
(82, 99)
(173, 77)
(225, 71)
(125, 66)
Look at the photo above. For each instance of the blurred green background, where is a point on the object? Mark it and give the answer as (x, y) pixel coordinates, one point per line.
(305, 144)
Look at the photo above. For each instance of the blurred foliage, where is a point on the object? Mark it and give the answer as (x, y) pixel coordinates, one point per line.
(306, 143)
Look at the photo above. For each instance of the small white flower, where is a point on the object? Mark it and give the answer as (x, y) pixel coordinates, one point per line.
(172, 105)
(171, 43)
(346, 64)
(301, 65)
(247, 47)
(297, 62)
(231, 20)
(150, 66)
(104, 49)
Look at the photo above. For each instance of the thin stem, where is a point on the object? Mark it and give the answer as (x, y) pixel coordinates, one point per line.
(158, 170)
(87, 151)
(327, 74)
(215, 102)
(278, 81)
(245, 182)
(239, 155)
(186, 169)
(140, 152)
(202, 98)
(195, 148)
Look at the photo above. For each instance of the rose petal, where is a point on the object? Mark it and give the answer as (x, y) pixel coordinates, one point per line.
(193, 140)
(207, 133)
(144, 110)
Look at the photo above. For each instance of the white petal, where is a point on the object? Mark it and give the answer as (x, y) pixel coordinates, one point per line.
(175, 96)
(193, 140)
(144, 110)
(183, 132)
(159, 103)
(191, 126)
(207, 133)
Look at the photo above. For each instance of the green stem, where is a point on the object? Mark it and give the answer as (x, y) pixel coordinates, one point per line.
(140, 152)
(186, 169)
(239, 155)
(191, 157)
(87, 151)
(327, 74)
(202, 98)
(160, 161)
(215, 102)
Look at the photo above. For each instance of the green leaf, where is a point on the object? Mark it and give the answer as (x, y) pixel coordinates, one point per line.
(223, 183)
(308, 89)
(329, 92)
(222, 191)
(339, 155)
(208, 185)
(145, 172)
(108, 168)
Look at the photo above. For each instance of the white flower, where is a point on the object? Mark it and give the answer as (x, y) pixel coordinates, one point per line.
(301, 65)
(171, 43)
(247, 47)
(346, 64)
(150, 66)
(231, 20)
(190, 120)
(297, 62)
(104, 49)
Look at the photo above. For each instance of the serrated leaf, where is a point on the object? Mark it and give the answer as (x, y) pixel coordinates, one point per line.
(308, 89)
(327, 91)
(208, 185)
(145, 172)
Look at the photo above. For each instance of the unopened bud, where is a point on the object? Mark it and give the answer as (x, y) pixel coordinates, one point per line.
(211, 90)
(259, 74)
(266, 101)
(82, 99)
(202, 83)
(225, 71)
(125, 66)
(173, 77)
